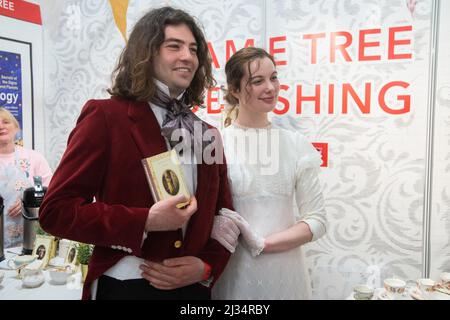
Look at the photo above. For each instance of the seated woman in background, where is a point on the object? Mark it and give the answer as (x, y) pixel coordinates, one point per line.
(18, 166)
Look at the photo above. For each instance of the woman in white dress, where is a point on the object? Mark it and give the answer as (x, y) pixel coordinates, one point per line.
(268, 167)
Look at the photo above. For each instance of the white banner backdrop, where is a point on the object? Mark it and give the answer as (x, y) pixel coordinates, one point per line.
(354, 77)
(357, 74)
(440, 219)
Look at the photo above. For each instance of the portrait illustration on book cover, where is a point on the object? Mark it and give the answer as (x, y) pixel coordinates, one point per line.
(165, 176)
(170, 182)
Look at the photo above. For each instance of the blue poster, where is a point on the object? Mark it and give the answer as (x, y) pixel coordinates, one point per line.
(11, 86)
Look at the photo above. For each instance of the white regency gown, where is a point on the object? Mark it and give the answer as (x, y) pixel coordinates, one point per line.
(266, 201)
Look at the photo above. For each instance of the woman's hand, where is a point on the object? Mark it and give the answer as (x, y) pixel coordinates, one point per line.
(226, 232)
(16, 209)
(254, 242)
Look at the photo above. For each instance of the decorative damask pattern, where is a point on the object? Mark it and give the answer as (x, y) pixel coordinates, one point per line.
(81, 44)
(374, 183)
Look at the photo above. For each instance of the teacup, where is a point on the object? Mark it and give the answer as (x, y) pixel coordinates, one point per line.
(59, 275)
(363, 292)
(445, 279)
(425, 286)
(19, 261)
(395, 288)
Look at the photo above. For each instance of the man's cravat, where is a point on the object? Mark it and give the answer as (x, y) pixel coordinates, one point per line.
(179, 116)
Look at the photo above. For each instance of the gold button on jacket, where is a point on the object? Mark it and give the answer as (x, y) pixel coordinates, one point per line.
(177, 244)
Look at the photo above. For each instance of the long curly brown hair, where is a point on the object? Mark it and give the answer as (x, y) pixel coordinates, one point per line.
(133, 76)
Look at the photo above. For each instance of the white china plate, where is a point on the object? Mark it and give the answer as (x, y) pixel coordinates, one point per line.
(443, 290)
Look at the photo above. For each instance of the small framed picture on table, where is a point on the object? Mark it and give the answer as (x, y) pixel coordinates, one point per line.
(43, 248)
(71, 257)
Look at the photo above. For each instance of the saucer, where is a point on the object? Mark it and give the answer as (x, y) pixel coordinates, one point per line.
(434, 295)
(352, 297)
(416, 294)
(443, 289)
(383, 295)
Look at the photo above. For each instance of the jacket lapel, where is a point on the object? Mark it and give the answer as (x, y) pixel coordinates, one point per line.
(145, 129)
(146, 134)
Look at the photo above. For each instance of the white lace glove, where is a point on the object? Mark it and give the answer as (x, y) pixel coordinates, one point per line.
(254, 242)
(226, 232)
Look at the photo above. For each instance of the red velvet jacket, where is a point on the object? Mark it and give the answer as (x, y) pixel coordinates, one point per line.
(103, 160)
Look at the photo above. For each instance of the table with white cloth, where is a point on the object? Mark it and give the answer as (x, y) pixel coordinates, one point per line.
(410, 294)
(11, 288)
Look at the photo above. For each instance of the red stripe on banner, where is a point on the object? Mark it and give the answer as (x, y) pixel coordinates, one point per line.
(322, 147)
(21, 10)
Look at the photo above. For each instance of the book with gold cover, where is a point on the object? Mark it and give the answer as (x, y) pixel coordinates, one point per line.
(165, 177)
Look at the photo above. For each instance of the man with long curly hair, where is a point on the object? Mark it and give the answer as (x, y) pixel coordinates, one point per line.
(143, 249)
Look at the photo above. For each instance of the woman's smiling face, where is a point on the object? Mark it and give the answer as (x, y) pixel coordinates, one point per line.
(259, 88)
